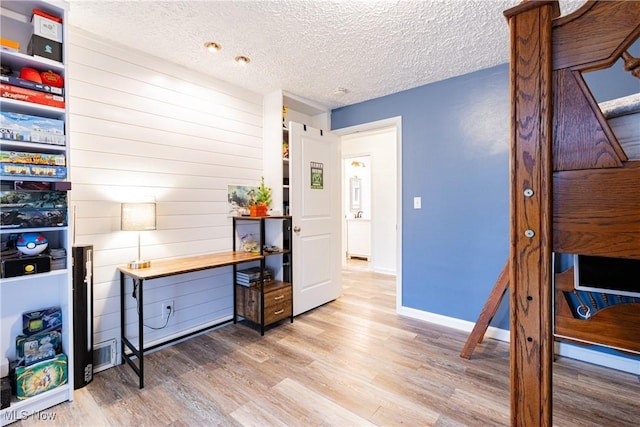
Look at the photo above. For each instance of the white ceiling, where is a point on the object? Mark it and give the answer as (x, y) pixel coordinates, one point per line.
(310, 48)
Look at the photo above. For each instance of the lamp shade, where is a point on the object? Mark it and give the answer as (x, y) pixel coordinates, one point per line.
(138, 216)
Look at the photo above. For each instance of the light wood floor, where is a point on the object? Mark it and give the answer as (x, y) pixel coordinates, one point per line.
(351, 362)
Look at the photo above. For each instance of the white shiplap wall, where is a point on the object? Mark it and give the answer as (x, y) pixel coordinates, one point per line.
(141, 127)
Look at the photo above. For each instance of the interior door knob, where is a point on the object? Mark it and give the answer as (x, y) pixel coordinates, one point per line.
(296, 229)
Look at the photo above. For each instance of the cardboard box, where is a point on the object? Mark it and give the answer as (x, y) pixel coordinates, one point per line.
(9, 44)
(15, 170)
(28, 84)
(27, 128)
(40, 186)
(46, 25)
(29, 95)
(44, 48)
(18, 199)
(29, 381)
(22, 157)
(32, 218)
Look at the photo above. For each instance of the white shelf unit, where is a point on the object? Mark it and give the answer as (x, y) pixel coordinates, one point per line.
(51, 289)
(275, 134)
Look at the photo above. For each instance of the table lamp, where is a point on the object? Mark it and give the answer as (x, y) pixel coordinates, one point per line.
(138, 217)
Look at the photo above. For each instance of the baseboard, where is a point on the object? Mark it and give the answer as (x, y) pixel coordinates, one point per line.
(599, 358)
(382, 270)
(452, 322)
(582, 354)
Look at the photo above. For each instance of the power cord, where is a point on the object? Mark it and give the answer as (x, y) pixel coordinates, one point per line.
(134, 294)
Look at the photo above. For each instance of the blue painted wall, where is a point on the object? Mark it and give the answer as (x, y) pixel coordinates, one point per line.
(455, 141)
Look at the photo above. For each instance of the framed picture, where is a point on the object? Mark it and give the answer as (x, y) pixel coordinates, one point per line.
(238, 197)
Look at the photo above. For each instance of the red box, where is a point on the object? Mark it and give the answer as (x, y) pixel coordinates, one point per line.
(28, 95)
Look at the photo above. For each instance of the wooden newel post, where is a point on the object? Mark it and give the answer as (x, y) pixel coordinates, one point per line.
(531, 353)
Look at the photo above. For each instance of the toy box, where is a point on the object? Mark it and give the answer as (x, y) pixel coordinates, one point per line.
(23, 127)
(21, 157)
(58, 258)
(33, 199)
(28, 84)
(39, 347)
(33, 218)
(44, 48)
(13, 267)
(38, 186)
(36, 171)
(46, 25)
(29, 381)
(47, 319)
(29, 95)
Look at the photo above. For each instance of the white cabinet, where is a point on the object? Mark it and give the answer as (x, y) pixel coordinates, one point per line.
(359, 238)
(31, 155)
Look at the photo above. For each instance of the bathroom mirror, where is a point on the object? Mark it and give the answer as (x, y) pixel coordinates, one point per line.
(355, 191)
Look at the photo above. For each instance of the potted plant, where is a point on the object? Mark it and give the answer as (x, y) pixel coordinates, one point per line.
(260, 203)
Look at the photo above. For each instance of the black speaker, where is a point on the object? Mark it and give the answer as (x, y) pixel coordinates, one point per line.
(82, 315)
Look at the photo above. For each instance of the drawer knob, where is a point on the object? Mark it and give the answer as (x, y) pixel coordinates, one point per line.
(279, 311)
(278, 298)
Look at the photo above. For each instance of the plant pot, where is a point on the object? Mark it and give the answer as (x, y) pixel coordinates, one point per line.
(258, 210)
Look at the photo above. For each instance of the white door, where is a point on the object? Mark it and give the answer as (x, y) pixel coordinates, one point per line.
(315, 204)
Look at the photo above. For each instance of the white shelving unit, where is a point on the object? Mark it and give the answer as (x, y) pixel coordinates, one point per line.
(41, 290)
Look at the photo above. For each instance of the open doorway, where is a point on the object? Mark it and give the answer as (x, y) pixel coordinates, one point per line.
(356, 188)
(380, 143)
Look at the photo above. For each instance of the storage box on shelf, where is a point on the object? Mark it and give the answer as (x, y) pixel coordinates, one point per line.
(262, 292)
(34, 149)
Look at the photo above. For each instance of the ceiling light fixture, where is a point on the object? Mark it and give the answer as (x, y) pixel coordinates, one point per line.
(340, 91)
(241, 59)
(212, 46)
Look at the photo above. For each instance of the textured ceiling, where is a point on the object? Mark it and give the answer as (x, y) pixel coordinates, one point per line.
(312, 47)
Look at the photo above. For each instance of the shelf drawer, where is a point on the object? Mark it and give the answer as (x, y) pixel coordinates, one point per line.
(277, 303)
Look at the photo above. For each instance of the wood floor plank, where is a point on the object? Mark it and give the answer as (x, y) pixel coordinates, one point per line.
(321, 409)
(351, 362)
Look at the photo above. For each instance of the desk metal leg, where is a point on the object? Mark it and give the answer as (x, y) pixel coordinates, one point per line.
(126, 345)
(122, 319)
(140, 330)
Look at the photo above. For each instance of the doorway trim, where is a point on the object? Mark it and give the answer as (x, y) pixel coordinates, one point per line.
(395, 122)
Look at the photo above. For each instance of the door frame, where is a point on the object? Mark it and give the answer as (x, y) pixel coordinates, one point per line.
(395, 122)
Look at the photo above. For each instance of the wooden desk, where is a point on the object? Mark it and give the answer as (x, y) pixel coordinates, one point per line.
(165, 268)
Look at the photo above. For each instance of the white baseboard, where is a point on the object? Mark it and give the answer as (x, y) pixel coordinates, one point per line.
(582, 354)
(382, 270)
(452, 322)
(599, 358)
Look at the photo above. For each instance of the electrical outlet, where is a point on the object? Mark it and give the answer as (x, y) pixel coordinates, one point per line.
(167, 309)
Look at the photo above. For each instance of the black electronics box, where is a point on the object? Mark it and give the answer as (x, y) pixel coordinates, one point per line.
(39, 46)
(26, 265)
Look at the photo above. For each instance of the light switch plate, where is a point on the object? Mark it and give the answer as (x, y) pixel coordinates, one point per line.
(417, 203)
